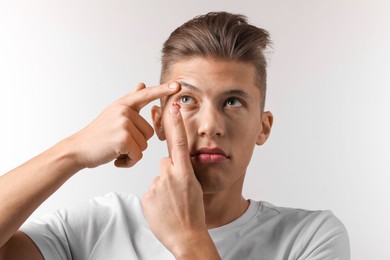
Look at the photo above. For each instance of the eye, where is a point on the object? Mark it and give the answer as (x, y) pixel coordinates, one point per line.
(187, 100)
(233, 102)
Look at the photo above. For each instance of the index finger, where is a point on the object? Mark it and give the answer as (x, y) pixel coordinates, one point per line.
(177, 139)
(144, 95)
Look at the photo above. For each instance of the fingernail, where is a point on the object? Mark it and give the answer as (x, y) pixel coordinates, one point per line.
(173, 85)
(174, 110)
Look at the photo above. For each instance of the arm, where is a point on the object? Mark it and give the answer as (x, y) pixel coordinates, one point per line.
(25, 188)
(119, 133)
(173, 206)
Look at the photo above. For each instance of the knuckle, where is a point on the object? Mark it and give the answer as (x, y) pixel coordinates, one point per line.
(180, 143)
(122, 109)
(137, 155)
(144, 145)
(123, 140)
(120, 105)
(185, 181)
(121, 147)
(124, 124)
(140, 156)
(149, 132)
(146, 94)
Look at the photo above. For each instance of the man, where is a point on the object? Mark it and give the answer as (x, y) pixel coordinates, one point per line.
(211, 115)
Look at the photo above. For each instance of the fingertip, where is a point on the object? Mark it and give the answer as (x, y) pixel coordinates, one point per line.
(174, 85)
(130, 162)
(141, 85)
(124, 162)
(120, 163)
(174, 110)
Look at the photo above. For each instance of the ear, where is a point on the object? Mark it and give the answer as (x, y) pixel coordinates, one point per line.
(267, 120)
(157, 122)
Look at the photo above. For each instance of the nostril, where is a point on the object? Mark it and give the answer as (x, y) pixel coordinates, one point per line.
(211, 132)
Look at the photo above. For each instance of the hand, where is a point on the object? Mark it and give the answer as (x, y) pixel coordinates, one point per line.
(119, 132)
(173, 206)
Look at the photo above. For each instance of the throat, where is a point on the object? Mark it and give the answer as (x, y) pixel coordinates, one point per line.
(220, 211)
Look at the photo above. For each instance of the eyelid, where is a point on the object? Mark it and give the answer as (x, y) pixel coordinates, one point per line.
(243, 103)
(185, 95)
(179, 95)
(183, 92)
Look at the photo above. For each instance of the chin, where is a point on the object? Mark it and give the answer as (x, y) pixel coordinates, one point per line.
(210, 183)
(215, 181)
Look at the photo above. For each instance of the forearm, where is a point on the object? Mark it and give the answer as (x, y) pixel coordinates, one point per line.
(23, 189)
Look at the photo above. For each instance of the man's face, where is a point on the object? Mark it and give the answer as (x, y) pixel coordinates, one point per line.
(221, 108)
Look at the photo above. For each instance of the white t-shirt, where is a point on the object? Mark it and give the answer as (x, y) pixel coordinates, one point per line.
(114, 227)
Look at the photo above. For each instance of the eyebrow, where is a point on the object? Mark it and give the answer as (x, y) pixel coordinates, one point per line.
(187, 85)
(237, 92)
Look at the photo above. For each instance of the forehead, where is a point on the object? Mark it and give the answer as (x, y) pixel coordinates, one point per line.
(211, 76)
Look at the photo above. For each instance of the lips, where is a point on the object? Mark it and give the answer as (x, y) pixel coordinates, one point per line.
(209, 155)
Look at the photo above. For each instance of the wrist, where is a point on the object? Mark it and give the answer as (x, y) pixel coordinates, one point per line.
(66, 152)
(197, 246)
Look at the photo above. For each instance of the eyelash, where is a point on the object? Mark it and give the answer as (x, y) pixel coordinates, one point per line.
(236, 99)
(180, 100)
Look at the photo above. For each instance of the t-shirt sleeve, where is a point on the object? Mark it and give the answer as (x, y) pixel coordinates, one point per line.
(49, 235)
(325, 238)
(72, 233)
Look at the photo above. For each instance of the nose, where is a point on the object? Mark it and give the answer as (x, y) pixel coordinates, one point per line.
(210, 122)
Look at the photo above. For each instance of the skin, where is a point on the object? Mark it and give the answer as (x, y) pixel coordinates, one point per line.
(192, 193)
(221, 108)
(119, 133)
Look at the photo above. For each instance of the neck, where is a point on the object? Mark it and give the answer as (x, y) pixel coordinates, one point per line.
(224, 207)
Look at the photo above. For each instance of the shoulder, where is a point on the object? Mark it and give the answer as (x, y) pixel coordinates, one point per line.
(99, 209)
(312, 231)
(108, 203)
(104, 208)
(306, 219)
(296, 216)
(60, 234)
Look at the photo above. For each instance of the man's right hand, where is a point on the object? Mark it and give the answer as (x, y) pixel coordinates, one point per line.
(119, 133)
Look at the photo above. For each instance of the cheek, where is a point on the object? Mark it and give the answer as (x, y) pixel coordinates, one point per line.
(242, 125)
(189, 119)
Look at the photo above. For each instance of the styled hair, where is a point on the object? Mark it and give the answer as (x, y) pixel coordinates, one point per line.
(221, 36)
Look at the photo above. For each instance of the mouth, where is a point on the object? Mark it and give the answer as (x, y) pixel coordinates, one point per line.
(208, 155)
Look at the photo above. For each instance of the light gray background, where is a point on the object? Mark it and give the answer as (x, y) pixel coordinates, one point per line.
(62, 62)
